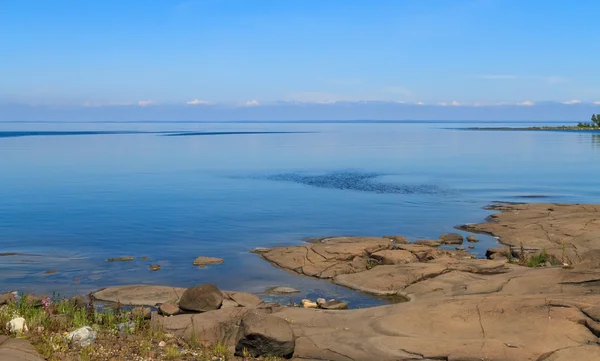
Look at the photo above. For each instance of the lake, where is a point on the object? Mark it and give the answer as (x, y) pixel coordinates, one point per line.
(73, 195)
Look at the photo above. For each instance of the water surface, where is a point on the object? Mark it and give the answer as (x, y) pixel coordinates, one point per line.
(73, 195)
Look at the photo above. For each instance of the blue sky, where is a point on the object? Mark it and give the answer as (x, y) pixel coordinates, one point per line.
(74, 57)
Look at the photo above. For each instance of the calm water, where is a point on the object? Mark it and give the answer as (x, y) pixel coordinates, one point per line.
(72, 200)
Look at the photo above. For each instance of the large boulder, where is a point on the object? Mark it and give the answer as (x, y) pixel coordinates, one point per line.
(264, 335)
(201, 298)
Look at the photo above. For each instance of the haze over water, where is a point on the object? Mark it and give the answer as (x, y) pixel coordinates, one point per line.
(70, 200)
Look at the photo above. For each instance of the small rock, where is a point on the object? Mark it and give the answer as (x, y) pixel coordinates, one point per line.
(306, 303)
(154, 267)
(142, 312)
(201, 298)
(17, 325)
(547, 264)
(168, 309)
(126, 326)
(7, 298)
(451, 238)
(33, 300)
(78, 301)
(51, 272)
(472, 239)
(203, 261)
(144, 258)
(260, 250)
(229, 304)
(335, 305)
(264, 335)
(428, 242)
(281, 290)
(321, 302)
(121, 259)
(503, 251)
(471, 247)
(498, 256)
(82, 337)
(162, 344)
(40, 329)
(460, 248)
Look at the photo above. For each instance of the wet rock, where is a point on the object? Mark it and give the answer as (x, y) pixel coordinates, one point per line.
(203, 261)
(51, 272)
(8, 254)
(451, 238)
(8, 297)
(321, 302)
(264, 335)
(144, 258)
(141, 312)
(82, 337)
(306, 303)
(169, 309)
(201, 298)
(428, 242)
(472, 239)
(17, 325)
(335, 305)
(281, 290)
(154, 267)
(121, 259)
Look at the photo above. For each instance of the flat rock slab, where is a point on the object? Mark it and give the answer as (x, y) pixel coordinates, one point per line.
(568, 232)
(139, 295)
(17, 350)
(146, 295)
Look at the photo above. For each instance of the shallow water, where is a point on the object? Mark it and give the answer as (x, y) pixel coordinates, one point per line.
(73, 195)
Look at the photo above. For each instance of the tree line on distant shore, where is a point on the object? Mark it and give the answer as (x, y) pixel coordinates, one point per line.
(594, 124)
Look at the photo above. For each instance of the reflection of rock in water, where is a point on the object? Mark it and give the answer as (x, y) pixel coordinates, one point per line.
(356, 181)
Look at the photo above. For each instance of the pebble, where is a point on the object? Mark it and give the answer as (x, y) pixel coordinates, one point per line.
(162, 344)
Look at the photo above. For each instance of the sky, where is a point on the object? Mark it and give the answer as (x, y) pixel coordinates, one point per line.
(299, 59)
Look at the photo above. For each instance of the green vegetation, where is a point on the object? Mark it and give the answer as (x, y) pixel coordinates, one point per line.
(595, 123)
(122, 334)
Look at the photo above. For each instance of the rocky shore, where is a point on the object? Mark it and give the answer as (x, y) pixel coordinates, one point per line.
(535, 297)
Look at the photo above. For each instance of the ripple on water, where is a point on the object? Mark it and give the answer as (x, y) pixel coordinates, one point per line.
(357, 181)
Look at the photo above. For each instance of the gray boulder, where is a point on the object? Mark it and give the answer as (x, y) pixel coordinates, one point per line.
(201, 298)
(264, 335)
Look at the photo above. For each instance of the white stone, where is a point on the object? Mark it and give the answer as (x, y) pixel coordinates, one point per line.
(309, 304)
(321, 302)
(17, 325)
(162, 344)
(83, 337)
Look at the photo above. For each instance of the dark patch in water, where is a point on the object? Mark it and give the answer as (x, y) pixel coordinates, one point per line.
(356, 181)
(185, 134)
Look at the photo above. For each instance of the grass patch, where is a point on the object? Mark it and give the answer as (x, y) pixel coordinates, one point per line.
(121, 334)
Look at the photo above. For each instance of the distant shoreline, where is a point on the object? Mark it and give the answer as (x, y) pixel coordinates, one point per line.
(544, 128)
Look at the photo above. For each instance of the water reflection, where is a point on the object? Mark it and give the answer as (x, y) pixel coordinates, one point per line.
(596, 140)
